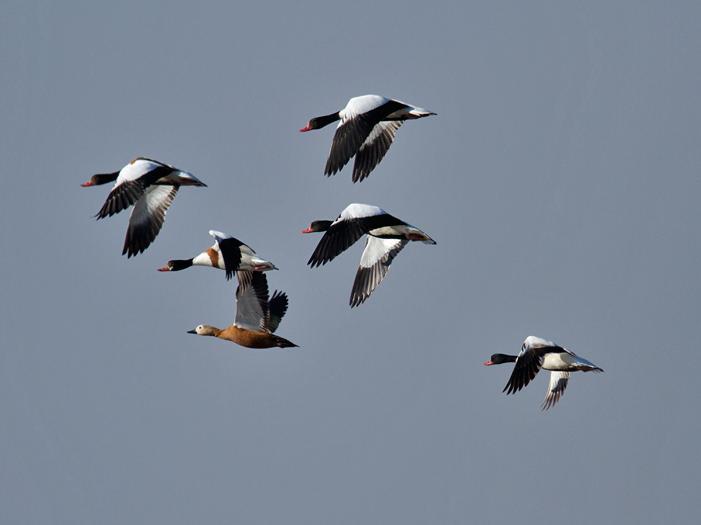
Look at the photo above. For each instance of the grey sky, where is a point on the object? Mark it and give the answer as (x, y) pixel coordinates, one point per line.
(560, 179)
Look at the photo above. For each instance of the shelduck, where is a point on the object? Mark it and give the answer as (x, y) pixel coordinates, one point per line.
(257, 317)
(387, 236)
(537, 353)
(366, 130)
(228, 254)
(148, 185)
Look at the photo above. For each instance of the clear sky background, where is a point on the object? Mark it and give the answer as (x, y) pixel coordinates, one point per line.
(560, 178)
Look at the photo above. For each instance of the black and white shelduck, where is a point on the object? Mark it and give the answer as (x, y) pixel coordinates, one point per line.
(537, 353)
(228, 254)
(148, 185)
(366, 130)
(387, 235)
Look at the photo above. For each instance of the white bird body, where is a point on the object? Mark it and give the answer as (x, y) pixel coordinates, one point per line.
(387, 236)
(150, 187)
(537, 353)
(561, 361)
(365, 103)
(228, 254)
(366, 129)
(205, 259)
(359, 105)
(356, 212)
(249, 260)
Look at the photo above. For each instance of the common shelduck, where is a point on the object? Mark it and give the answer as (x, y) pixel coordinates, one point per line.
(150, 186)
(228, 254)
(537, 353)
(257, 317)
(387, 235)
(367, 128)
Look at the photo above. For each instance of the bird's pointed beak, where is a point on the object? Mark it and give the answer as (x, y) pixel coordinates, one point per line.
(193, 331)
(165, 268)
(307, 230)
(487, 363)
(88, 184)
(305, 128)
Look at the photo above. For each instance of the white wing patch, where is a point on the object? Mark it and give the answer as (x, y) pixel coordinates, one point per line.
(219, 236)
(359, 105)
(136, 169)
(377, 250)
(359, 211)
(389, 127)
(155, 201)
(556, 388)
(147, 218)
(533, 341)
(374, 265)
(375, 147)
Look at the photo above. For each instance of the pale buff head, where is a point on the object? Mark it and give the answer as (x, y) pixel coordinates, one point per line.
(204, 329)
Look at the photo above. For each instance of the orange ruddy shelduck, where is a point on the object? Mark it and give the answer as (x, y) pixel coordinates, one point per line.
(257, 317)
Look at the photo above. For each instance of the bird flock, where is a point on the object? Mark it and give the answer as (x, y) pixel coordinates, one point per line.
(367, 127)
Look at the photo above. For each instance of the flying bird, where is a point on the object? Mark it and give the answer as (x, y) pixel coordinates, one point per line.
(257, 317)
(148, 185)
(387, 236)
(366, 130)
(228, 254)
(537, 353)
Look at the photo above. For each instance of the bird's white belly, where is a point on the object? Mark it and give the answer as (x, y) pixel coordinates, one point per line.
(204, 259)
(247, 259)
(391, 231)
(560, 361)
(249, 262)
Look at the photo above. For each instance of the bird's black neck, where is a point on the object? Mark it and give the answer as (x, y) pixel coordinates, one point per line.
(321, 226)
(325, 120)
(179, 264)
(104, 178)
(498, 359)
